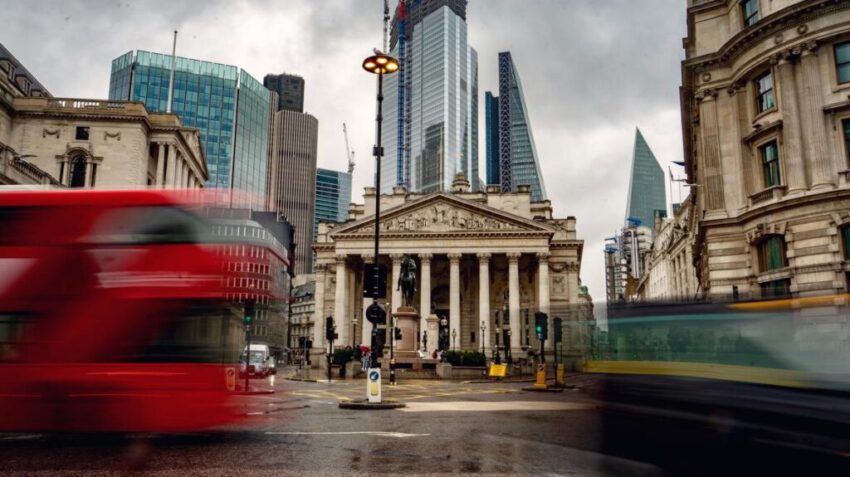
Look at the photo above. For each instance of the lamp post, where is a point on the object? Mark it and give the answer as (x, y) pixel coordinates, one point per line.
(354, 331)
(508, 354)
(483, 329)
(379, 64)
(444, 338)
(498, 357)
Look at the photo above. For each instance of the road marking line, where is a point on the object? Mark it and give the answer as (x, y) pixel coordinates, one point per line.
(472, 406)
(346, 433)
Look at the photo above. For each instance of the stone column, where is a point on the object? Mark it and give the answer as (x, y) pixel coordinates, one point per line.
(712, 188)
(89, 169)
(543, 294)
(813, 121)
(795, 172)
(484, 297)
(159, 180)
(454, 297)
(341, 295)
(318, 314)
(513, 299)
(170, 173)
(425, 293)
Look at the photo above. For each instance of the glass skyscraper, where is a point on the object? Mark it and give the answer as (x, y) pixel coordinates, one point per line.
(228, 106)
(646, 186)
(511, 154)
(491, 121)
(333, 195)
(439, 71)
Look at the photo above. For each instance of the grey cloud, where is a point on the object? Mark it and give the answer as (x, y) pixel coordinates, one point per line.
(592, 70)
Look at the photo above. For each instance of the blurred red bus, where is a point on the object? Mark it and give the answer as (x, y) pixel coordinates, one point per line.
(111, 314)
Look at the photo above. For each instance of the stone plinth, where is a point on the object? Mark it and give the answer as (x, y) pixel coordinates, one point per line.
(408, 321)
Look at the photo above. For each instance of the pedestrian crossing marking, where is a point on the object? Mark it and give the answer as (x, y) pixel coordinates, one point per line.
(473, 406)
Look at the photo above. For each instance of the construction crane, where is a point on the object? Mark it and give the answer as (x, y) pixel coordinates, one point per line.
(348, 151)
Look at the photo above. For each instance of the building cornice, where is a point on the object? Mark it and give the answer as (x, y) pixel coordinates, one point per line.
(757, 212)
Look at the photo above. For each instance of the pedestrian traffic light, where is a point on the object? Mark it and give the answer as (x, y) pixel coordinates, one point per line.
(397, 333)
(559, 332)
(540, 325)
(329, 328)
(249, 312)
(376, 314)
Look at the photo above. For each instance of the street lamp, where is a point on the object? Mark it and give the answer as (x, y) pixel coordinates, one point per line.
(354, 331)
(379, 64)
(454, 336)
(498, 357)
(443, 343)
(508, 354)
(483, 329)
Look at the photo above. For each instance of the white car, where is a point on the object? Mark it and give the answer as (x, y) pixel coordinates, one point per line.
(261, 362)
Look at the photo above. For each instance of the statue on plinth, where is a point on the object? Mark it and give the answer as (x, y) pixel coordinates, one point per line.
(407, 280)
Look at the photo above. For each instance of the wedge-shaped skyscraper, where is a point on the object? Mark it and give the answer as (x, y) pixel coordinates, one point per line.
(646, 185)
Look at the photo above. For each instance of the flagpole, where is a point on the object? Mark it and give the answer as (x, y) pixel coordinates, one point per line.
(171, 76)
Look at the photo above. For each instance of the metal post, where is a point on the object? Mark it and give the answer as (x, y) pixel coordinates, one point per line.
(378, 152)
(392, 350)
(247, 355)
(171, 76)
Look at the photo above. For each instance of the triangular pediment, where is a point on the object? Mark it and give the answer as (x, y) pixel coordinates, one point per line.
(442, 213)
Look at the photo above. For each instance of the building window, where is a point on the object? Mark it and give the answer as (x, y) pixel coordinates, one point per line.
(78, 172)
(845, 238)
(842, 62)
(750, 9)
(82, 133)
(771, 253)
(770, 162)
(764, 92)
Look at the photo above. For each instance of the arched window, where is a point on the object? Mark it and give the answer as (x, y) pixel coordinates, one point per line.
(78, 172)
(845, 241)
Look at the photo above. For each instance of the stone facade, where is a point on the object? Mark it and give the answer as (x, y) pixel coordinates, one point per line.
(301, 317)
(479, 255)
(766, 122)
(670, 273)
(102, 144)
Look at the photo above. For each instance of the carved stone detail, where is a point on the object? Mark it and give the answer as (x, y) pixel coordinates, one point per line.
(48, 132)
(109, 135)
(484, 256)
(441, 218)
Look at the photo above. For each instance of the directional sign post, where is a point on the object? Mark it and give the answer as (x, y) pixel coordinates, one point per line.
(373, 386)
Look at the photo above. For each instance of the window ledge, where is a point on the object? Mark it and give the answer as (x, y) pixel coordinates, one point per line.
(774, 192)
(772, 275)
(763, 114)
(761, 130)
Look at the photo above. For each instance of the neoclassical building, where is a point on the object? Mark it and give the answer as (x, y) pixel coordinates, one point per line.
(766, 120)
(669, 274)
(483, 258)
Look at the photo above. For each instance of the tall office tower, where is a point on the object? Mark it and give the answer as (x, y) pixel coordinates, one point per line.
(646, 186)
(333, 195)
(228, 106)
(491, 121)
(509, 133)
(290, 91)
(431, 105)
(292, 178)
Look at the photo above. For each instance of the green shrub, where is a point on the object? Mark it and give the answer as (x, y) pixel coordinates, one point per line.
(466, 358)
(343, 355)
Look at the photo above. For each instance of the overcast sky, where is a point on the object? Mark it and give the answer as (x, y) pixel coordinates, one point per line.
(592, 70)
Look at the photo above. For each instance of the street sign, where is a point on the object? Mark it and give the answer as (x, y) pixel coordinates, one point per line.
(498, 370)
(373, 385)
(376, 314)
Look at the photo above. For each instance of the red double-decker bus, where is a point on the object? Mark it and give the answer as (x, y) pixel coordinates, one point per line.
(112, 315)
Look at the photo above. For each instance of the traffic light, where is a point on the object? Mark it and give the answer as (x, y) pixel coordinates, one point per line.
(329, 328)
(559, 332)
(380, 339)
(249, 312)
(375, 281)
(397, 334)
(540, 325)
(376, 314)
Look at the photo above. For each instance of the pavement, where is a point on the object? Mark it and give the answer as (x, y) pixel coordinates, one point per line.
(447, 427)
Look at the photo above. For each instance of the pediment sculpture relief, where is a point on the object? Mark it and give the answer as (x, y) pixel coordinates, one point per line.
(441, 218)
